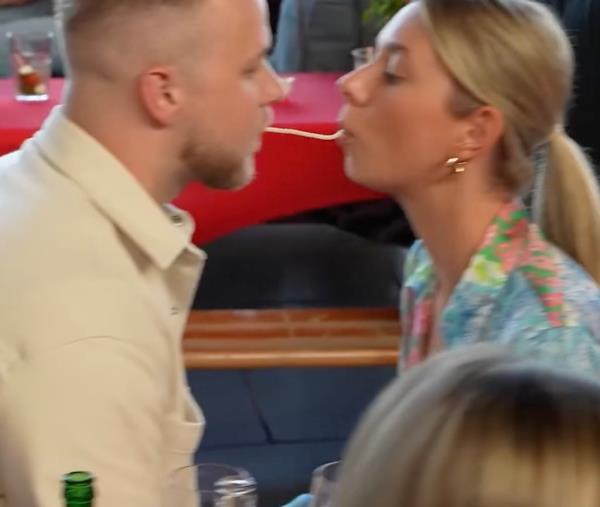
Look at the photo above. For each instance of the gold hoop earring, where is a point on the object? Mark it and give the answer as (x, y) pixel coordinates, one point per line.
(456, 165)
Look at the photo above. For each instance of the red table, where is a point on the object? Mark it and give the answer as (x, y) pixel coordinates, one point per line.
(293, 174)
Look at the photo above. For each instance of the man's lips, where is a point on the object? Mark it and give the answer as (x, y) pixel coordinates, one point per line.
(269, 117)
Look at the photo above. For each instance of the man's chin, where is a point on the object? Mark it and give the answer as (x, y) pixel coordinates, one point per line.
(245, 175)
(235, 178)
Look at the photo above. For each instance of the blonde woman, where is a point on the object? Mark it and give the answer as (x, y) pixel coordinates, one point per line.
(477, 428)
(464, 101)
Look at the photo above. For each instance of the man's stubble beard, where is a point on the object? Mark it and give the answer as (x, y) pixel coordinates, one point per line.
(216, 167)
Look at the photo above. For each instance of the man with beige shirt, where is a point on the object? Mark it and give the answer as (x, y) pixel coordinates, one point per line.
(97, 272)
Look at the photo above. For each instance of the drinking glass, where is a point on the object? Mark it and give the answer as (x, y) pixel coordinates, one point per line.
(362, 56)
(31, 58)
(213, 485)
(323, 484)
(287, 83)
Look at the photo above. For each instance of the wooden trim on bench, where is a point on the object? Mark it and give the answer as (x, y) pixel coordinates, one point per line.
(217, 339)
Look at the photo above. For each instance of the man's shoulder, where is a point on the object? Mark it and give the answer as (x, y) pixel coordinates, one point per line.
(47, 221)
(66, 272)
(31, 188)
(40, 319)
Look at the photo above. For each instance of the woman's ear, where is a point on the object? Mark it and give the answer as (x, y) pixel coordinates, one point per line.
(483, 129)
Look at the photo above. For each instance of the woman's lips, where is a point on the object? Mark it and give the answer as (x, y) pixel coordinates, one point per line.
(347, 136)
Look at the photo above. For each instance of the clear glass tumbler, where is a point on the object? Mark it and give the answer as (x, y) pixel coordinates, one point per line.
(362, 56)
(323, 484)
(31, 58)
(213, 485)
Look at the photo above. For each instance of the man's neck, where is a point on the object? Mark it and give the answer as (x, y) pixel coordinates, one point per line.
(139, 149)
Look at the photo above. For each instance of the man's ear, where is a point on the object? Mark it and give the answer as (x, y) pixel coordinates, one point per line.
(160, 95)
(483, 129)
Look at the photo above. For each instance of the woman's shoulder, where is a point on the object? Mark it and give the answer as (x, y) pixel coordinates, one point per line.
(550, 283)
(581, 292)
(557, 321)
(574, 348)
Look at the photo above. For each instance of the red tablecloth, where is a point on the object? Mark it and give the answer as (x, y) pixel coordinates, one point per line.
(293, 174)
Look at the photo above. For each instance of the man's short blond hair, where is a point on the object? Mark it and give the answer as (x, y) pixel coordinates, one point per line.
(98, 33)
(79, 14)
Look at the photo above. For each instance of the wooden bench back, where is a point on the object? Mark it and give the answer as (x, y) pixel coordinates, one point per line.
(291, 338)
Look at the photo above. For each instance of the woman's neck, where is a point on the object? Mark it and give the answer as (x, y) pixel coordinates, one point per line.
(452, 224)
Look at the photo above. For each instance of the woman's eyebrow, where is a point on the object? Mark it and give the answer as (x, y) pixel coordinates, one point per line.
(393, 47)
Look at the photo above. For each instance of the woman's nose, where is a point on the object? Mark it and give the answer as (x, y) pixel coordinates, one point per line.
(356, 86)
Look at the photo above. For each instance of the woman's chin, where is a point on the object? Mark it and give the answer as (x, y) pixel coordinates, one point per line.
(350, 169)
(357, 173)
(366, 176)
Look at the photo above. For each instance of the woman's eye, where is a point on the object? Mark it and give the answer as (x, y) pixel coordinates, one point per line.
(254, 69)
(391, 78)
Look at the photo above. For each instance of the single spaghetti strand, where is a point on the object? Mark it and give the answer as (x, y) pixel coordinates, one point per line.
(302, 133)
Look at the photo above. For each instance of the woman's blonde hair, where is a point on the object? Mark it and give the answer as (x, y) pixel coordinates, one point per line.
(514, 55)
(477, 428)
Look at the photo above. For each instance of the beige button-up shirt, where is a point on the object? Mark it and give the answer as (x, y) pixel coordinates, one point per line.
(95, 280)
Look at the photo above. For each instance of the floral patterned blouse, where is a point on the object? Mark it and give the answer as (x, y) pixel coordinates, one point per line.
(518, 290)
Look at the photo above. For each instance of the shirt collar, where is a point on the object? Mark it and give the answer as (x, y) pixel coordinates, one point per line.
(502, 249)
(473, 299)
(161, 232)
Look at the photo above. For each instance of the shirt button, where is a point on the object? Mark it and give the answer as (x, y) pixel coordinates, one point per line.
(174, 310)
(177, 220)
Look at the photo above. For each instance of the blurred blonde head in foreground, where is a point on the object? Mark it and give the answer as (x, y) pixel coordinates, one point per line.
(477, 428)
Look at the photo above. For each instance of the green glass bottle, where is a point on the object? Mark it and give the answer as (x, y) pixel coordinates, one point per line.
(78, 489)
